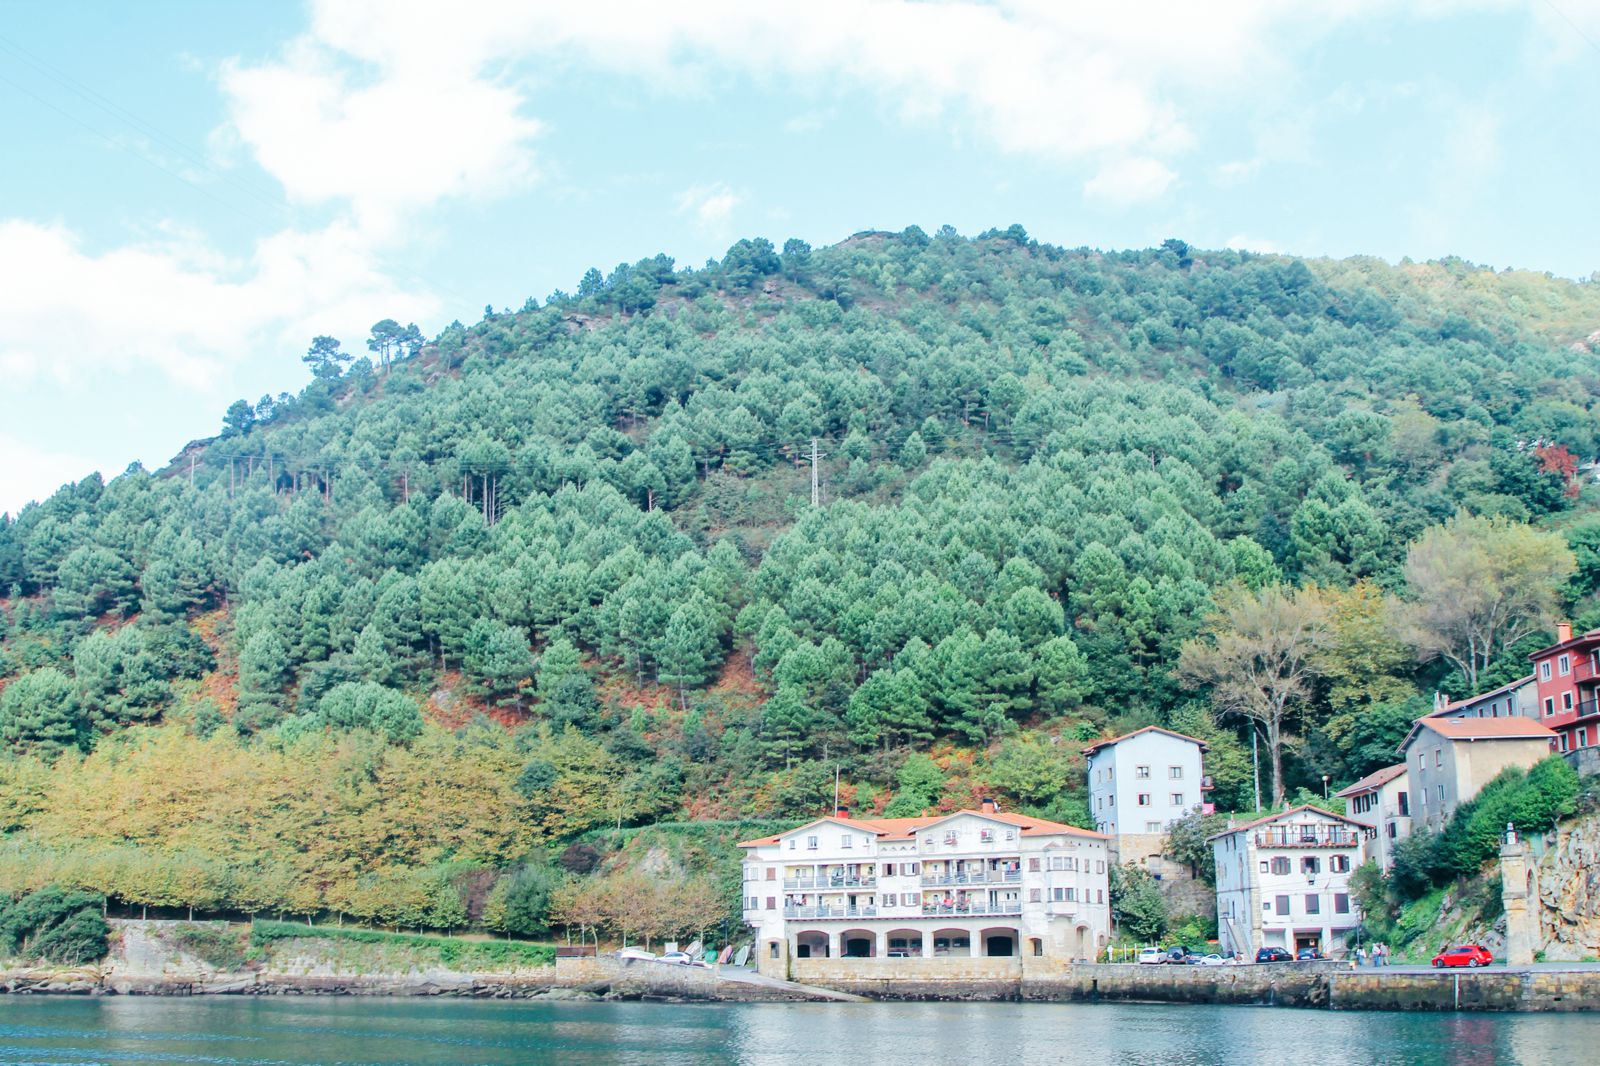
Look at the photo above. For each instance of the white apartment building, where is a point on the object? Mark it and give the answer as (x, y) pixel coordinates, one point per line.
(968, 884)
(1284, 881)
(1139, 784)
(1382, 802)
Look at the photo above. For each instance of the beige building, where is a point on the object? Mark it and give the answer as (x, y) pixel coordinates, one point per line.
(895, 895)
(1448, 760)
(1382, 801)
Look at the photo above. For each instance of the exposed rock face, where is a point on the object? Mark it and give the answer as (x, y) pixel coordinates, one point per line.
(1569, 893)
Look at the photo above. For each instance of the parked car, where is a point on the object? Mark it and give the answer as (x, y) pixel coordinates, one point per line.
(1178, 955)
(1473, 955)
(1152, 957)
(677, 958)
(1214, 959)
(1309, 955)
(637, 954)
(1273, 955)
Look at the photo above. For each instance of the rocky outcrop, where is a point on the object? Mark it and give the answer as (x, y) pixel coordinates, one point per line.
(1569, 892)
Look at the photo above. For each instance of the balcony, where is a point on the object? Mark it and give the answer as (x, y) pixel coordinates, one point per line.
(986, 877)
(978, 908)
(1587, 709)
(830, 912)
(1307, 837)
(793, 884)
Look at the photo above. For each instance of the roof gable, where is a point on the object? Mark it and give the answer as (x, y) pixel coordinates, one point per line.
(1476, 729)
(1281, 815)
(1100, 744)
(1373, 781)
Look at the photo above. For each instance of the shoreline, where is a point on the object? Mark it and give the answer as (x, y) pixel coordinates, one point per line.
(1550, 989)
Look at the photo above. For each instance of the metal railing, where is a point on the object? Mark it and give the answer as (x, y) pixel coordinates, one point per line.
(985, 877)
(830, 912)
(1294, 837)
(971, 908)
(1588, 708)
(814, 883)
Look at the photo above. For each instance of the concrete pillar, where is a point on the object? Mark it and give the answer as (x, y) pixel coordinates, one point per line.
(882, 950)
(833, 945)
(772, 957)
(927, 944)
(1516, 882)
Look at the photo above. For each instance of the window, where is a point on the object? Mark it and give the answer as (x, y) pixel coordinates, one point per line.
(1549, 705)
(888, 899)
(1405, 805)
(1144, 799)
(1563, 742)
(888, 869)
(772, 873)
(1152, 827)
(986, 835)
(751, 903)
(1583, 737)
(1111, 801)
(1283, 904)
(845, 840)
(792, 843)
(1544, 670)
(1011, 834)
(1441, 795)
(1340, 864)
(1341, 903)
(1391, 831)
(1099, 895)
(1033, 866)
(1033, 895)
(1311, 865)
(1280, 866)
(1438, 758)
(911, 869)
(1564, 665)
(1177, 799)
(1141, 772)
(772, 903)
(1063, 895)
(1263, 865)
(1313, 903)
(1566, 701)
(950, 837)
(811, 843)
(1100, 866)
(1175, 773)
(1267, 907)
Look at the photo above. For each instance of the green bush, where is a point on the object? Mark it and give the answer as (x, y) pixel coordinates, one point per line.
(56, 926)
(217, 946)
(447, 950)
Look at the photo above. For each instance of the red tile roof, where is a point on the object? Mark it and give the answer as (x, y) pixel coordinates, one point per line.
(907, 828)
(1373, 781)
(1097, 745)
(1284, 814)
(1473, 729)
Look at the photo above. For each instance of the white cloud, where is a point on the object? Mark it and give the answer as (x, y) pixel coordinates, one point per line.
(1130, 181)
(1239, 242)
(1238, 171)
(176, 306)
(711, 206)
(28, 472)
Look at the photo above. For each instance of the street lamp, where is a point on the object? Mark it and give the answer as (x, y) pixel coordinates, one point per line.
(1324, 788)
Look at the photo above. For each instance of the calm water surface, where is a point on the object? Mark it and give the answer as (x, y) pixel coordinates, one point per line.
(270, 1032)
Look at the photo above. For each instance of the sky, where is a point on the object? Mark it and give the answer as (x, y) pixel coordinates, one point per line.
(190, 191)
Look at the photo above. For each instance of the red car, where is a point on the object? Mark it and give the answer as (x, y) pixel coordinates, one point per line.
(1473, 955)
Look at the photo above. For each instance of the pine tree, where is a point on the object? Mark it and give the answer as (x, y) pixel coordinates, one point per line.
(39, 712)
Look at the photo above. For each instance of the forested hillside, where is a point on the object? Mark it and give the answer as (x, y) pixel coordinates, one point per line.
(390, 645)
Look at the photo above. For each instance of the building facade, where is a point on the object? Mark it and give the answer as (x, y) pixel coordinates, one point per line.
(1518, 699)
(1139, 784)
(1448, 760)
(1567, 681)
(1382, 802)
(1284, 881)
(969, 884)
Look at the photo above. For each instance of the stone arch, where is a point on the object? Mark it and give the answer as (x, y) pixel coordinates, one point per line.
(1080, 946)
(956, 943)
(858, 944)
(811, 944)
(904, 943)
(999, 941)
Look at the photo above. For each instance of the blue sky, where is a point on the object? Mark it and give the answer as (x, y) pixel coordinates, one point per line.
(192, 190)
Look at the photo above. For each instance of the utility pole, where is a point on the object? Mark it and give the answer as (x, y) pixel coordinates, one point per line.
(815, 495)
(1255, 762)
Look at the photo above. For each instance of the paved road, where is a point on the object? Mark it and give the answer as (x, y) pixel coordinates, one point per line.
(1555, 967)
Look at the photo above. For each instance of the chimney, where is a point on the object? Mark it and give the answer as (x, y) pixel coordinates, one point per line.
(988, 806)
(1563, 632)
(841, 811)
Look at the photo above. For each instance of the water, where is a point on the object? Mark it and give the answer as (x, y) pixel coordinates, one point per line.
(231, 1031)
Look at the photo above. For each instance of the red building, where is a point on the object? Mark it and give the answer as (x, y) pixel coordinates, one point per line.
(1567, 676)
